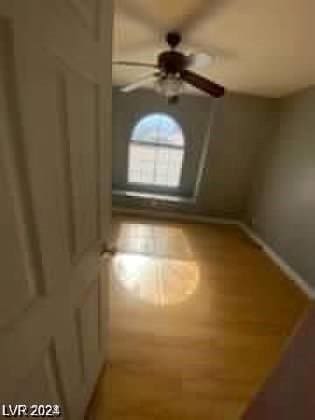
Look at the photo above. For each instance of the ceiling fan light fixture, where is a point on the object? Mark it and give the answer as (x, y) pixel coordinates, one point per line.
(172, 72)
(169, 85)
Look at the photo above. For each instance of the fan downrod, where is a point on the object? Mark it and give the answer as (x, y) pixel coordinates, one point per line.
(173, 39)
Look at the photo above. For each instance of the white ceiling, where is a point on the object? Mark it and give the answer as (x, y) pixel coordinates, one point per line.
(264, 47)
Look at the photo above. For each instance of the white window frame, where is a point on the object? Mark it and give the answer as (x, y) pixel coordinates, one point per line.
(162, 146)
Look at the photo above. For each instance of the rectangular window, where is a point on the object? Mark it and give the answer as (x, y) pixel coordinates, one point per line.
(155, 165)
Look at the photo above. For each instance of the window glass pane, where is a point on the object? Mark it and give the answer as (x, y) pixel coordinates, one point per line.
(158, 128)
(140, 164)
(160, 166)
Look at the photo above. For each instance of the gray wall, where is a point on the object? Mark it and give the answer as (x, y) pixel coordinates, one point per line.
(240, 126)
(282, 202)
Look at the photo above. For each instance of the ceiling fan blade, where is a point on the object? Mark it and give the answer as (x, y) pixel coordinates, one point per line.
(202, 83)
(199, 60)
(140, 82)
(134, 64)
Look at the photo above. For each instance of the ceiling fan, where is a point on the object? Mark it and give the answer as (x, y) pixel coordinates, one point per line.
(172, 71)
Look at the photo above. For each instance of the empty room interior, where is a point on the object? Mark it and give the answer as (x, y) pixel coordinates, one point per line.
(157, 218)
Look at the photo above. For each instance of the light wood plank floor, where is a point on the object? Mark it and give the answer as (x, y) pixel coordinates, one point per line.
(198, 318)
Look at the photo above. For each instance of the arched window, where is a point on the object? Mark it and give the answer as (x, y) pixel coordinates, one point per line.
(156, 152)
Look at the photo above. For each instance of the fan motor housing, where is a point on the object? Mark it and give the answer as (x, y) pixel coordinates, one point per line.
(172, 62)
(173, 39)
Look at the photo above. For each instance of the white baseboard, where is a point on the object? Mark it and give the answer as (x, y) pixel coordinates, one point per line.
(283, 265)
(159, 214)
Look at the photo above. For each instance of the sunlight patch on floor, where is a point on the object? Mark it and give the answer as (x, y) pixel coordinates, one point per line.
(158, 281)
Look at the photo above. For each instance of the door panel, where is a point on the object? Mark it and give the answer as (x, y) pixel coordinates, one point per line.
(21, 261)
(43, 380)
(55, 189)
(81, 132)
(87, 11)
(36, 84)
(88, 322)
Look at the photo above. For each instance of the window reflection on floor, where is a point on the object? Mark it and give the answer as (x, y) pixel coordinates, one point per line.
(153, 239)
(158, 281)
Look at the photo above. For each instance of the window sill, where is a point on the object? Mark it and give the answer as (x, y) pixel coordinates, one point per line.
(155, 197)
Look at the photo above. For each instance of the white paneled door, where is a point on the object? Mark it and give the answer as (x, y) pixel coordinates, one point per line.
(55, 200)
